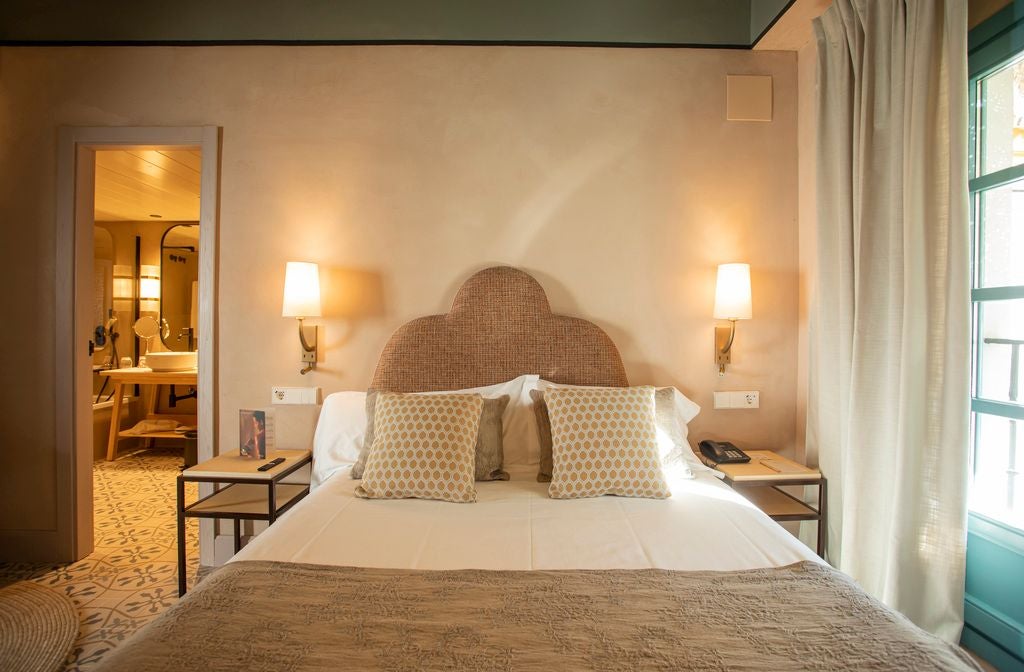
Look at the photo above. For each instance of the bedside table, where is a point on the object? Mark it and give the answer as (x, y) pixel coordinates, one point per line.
(759, 483)
(250, 494)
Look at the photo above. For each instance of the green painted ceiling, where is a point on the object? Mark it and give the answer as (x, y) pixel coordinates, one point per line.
(711, 23)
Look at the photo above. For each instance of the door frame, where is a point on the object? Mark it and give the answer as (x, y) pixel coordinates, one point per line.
(73, 268)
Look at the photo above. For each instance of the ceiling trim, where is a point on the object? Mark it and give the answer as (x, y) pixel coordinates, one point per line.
(363, 43)
(793, 28)
(637, 24)
(771, 24)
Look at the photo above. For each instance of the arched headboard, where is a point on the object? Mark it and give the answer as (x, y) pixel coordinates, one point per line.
(500, 326)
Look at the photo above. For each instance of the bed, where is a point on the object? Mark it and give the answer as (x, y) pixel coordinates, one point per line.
(519, 581)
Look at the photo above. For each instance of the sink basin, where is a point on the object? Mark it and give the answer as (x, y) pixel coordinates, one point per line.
(172, 361)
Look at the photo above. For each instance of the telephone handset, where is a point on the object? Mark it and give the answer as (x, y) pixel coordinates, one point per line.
(723, 452)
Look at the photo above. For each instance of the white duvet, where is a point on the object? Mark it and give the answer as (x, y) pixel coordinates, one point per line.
(514, 525)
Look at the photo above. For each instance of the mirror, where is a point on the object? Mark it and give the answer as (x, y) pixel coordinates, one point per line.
(179, 287)
(103, 319)
(147, 327)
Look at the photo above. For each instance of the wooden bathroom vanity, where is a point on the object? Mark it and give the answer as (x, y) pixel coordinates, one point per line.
(141, 376)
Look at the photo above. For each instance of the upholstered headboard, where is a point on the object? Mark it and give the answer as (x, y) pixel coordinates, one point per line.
(500, 327)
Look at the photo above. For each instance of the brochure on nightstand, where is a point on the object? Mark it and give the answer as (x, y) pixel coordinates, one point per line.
(255, 433)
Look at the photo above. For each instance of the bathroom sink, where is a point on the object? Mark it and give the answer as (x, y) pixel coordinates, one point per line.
(172, 361)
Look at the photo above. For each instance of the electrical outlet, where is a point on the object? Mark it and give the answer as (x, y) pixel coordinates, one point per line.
(746, 399)
(737, 400)
(294, 395)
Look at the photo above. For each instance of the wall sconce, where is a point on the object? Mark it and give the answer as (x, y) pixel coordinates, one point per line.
(149, 288)
(732, 302)
(124, 287)
(302, 300)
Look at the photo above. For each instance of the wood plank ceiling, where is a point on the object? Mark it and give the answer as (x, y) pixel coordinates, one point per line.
(134, 185)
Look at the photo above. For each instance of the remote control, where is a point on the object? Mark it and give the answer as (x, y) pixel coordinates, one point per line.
(270, 465)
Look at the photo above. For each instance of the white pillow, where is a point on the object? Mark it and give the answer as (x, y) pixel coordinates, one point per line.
(342, 426)
(686, 410)
(339, 435)
(672, 455)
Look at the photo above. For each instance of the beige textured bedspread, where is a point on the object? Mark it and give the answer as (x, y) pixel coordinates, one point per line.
(261, 616)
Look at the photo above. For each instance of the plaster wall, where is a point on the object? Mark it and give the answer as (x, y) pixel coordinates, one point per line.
(610, 174)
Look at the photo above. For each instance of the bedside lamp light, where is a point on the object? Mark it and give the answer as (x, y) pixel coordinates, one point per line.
(302, 300)
(732, 302)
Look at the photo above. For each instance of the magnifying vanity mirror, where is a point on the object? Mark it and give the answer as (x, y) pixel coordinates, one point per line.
(147, 328)
(179, 287)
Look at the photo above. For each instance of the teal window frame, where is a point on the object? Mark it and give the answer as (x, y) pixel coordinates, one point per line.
(994, 595)
(993, 45)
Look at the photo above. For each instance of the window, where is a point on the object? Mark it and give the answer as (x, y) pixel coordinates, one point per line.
(997, 223)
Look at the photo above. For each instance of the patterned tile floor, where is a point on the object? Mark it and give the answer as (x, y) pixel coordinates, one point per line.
(131, 576)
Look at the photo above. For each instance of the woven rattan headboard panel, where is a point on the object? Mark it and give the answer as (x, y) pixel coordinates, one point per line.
(500, 327)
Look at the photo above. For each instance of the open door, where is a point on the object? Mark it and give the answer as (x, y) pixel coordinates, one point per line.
(72, 538)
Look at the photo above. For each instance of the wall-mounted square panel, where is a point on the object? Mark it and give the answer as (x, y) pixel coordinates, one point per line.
(748, 97)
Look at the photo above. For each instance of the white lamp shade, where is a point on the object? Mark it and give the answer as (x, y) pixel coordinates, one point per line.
(149, 282)
(732, 293)
(124, 284)
(301, 290)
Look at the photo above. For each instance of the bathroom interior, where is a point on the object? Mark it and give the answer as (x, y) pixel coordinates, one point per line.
(146, 279)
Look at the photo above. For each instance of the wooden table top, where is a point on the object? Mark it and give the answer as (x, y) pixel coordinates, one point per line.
(232, 465)
(137, 375)
(760, 468)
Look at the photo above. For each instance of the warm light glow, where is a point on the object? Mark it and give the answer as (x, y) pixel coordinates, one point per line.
(124, 286)
(149, 282)
(301, 290)
(732, 293)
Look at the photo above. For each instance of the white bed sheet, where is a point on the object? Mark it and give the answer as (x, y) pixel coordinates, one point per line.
(515, 525)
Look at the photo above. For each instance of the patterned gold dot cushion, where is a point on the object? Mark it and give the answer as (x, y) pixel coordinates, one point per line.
(665, 421)
(424, 447)
(489, 440)
(604, 442)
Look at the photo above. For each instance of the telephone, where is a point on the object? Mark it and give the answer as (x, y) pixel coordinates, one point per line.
(722, 452)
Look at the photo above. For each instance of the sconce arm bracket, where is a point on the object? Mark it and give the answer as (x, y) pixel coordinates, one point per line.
(732, 336)
(302, 338)
(724, 337)
(308, 349)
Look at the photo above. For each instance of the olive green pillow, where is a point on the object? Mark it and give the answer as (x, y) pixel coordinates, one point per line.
(490, 454)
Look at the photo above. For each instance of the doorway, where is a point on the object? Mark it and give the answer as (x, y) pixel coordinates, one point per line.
(146, 300)
(87, 314)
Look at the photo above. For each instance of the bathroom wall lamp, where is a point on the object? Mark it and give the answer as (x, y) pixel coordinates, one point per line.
(124, 287)
(149, 288)
(302, 300)
(732, 302)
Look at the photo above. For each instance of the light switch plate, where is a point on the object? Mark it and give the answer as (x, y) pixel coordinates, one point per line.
(733, 400)
(294, 395)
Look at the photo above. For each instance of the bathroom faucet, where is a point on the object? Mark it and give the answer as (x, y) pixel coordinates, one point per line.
(186, 332)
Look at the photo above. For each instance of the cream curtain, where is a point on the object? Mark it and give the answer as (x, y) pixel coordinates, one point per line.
(890, 333)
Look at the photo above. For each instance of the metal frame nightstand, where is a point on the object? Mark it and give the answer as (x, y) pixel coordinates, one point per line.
(760, 484)
(249, 495)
